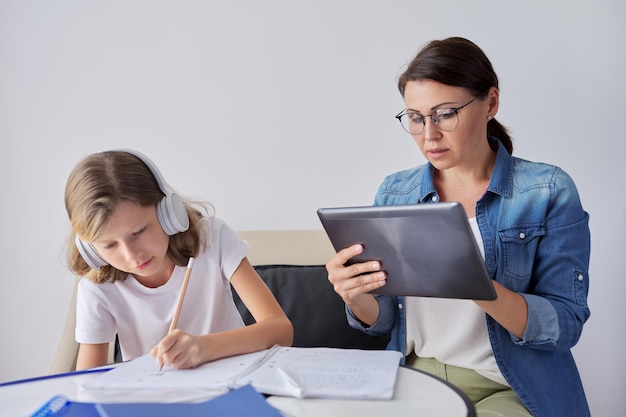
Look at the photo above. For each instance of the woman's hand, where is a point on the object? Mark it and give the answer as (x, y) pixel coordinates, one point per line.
(354, 282)
(181, 350)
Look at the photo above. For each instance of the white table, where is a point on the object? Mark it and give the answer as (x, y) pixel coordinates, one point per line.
(416, 394)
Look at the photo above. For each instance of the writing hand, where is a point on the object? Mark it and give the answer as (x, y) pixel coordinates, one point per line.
(179, 350)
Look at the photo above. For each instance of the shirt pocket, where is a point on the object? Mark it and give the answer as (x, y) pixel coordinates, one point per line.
(519, 246)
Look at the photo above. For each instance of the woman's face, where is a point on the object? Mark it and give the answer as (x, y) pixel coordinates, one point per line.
(134, 242)
(463, 146)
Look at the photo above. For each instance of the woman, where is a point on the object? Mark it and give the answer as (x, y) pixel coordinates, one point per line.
(512, 355)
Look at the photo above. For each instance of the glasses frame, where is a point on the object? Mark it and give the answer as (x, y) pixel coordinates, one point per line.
(434, 119)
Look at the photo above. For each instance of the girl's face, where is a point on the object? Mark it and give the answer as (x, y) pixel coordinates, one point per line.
(134, 242)
(466, 144)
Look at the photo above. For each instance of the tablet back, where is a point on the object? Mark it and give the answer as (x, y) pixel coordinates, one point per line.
(426, 250)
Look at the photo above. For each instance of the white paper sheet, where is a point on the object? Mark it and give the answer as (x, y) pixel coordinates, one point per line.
(304, 372)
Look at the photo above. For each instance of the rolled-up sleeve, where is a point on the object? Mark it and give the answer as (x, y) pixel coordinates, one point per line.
(385, 321)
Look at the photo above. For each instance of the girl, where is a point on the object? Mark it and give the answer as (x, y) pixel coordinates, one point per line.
(133, 239)
(512, 355)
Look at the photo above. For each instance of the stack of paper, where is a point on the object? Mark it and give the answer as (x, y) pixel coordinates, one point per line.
(288, 371)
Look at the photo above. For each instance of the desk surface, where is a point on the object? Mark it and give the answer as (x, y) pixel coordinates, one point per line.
(416, 393)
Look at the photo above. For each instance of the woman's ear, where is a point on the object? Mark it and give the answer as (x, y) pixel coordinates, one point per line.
(493, 99)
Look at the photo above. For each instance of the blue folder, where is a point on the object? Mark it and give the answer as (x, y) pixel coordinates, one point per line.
(242, 402)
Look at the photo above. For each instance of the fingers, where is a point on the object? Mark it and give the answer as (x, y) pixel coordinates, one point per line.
(355, 280)
(177, 350)
(162, 349)
(344, 255)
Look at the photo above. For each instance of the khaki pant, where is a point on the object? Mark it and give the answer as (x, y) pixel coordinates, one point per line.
(490, 398)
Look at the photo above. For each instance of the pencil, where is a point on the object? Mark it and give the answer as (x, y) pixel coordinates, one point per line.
(181, 296)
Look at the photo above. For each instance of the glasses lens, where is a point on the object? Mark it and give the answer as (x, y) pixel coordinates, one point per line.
(446, 119)
(412, 123)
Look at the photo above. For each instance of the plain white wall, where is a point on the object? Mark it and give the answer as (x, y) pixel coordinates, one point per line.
(273, 109)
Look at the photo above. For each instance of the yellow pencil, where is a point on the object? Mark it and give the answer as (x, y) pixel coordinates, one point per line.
(181, 296)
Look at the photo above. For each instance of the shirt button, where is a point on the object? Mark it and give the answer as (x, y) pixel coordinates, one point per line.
(580, 277)
(435, 198)
(522, 235)
(400, 306)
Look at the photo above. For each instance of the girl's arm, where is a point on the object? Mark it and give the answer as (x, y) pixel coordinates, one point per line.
(272, 326)
(90, 356)
(181, 350)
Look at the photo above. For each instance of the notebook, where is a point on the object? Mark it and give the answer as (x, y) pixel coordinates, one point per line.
(427, 250)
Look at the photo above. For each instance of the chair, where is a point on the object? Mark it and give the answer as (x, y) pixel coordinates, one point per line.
(291, 262)
(67, 351)
(292, 265)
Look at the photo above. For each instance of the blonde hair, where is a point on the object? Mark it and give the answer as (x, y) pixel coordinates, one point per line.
(97, 184)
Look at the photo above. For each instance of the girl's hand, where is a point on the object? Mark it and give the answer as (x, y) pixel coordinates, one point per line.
(354, 282)
(180, 350)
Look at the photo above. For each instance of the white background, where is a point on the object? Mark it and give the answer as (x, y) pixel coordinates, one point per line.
(272, 109)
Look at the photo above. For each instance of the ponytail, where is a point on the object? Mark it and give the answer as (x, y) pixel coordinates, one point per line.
(497, 130)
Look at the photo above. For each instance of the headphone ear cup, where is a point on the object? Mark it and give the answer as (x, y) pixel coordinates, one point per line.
(89, 254)
(172, 214)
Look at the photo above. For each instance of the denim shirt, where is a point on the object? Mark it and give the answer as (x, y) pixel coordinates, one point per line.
(537, 243)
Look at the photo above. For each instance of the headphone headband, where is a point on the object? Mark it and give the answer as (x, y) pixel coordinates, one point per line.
(163, 186)
(171, 212)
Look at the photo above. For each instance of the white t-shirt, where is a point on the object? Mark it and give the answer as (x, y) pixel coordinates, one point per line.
(452, 331)
(141, 316)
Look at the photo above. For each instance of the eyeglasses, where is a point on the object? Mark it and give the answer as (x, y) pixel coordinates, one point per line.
(444, 119)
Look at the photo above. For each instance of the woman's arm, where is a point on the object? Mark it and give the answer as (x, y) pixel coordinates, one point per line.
(509, 309)
(544, 304)
(181, 350)
(92, 355)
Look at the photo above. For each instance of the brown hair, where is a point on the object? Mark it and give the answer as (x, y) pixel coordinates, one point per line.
(97, 185)
(457, 62)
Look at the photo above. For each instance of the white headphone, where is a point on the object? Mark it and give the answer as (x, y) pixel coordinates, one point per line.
(171, 213)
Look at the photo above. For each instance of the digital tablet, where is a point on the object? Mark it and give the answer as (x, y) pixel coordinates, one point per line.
(427, 250)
